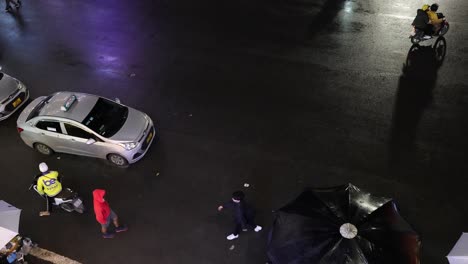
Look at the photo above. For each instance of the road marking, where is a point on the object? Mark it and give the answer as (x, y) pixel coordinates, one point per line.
(50, 256)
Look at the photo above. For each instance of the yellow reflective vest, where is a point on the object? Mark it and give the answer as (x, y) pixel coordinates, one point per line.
(49, 184)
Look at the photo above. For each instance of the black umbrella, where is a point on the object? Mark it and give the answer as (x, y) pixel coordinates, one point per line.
(342, 225)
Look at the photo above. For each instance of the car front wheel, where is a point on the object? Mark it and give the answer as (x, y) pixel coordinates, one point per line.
(43, 149)
(118, 160)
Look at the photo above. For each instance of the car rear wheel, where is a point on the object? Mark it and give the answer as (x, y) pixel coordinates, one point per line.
(43, 149)
(118, 160)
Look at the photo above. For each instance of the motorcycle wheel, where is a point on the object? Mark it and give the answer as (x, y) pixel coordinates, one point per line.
(409, 56)
(80, 209)
(440, 48)
(67, 207)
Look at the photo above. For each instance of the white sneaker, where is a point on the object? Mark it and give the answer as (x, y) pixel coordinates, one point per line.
(232, 237)
(257, 228)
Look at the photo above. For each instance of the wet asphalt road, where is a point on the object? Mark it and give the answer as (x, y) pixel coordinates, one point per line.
(278, 94)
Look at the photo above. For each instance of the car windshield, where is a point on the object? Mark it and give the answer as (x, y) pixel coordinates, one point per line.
(106, 117)
(35, 112)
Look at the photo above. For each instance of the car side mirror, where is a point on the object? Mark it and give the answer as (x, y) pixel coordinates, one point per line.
(117, 100)
(90, 141)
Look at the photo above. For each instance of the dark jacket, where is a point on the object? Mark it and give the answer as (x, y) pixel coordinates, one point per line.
(242, 212)
(421, 20)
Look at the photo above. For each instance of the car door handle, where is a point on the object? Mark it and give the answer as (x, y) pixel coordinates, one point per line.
(72, 139)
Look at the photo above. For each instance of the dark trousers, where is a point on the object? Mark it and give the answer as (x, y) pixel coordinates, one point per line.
(238, 226)
(429, 30)
(49, 202)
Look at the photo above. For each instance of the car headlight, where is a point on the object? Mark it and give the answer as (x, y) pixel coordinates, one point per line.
(129, 146)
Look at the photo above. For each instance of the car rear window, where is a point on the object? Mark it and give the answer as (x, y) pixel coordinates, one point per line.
(35, 112)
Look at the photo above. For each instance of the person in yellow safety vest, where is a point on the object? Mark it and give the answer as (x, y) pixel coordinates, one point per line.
(434, 18)
(48, 184)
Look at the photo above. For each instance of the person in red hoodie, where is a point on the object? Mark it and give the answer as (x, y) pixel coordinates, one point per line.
(104, 214)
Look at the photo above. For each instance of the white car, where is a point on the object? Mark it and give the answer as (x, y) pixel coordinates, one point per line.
(13, 94)
(87, 125)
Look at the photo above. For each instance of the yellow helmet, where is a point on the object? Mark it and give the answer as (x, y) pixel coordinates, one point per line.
(425, 7)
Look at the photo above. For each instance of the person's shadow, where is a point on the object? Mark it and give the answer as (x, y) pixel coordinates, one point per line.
(414, 95)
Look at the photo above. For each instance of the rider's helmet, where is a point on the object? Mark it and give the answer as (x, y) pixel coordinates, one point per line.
(43, 167)
(425, 8)
(434, 7)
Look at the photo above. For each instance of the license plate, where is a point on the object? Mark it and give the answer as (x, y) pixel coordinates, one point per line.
(17, 102)
(150, 136)
(77, 203)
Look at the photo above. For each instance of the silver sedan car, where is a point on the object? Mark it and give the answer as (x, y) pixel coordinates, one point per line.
(87, 125)
(13, 94)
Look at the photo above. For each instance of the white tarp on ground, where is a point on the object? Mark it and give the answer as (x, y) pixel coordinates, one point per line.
(9, 216)
(459, 253)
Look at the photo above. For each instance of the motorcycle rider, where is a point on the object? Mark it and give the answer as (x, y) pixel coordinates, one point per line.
(48, 185)
(422, 22)
(434, 19)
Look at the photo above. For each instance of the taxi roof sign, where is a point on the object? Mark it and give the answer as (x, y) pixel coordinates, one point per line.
(70, 101)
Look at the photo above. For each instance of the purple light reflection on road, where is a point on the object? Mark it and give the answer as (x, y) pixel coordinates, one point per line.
(110, 42)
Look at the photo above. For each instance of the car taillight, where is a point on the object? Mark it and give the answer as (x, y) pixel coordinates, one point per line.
(19, 129)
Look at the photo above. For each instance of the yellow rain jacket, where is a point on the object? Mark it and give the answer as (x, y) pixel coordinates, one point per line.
(49, 184)
(434, 18)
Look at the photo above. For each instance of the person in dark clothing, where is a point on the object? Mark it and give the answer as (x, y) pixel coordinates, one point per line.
(8, 6)
(243, 214)
(422, 22)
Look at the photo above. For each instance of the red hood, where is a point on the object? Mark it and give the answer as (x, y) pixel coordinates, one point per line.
(101, 207)
(98, 195)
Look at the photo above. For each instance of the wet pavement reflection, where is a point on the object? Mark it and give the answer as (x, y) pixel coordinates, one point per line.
(279, 94)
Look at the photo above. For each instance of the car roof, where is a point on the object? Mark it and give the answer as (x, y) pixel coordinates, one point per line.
(78, 111)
